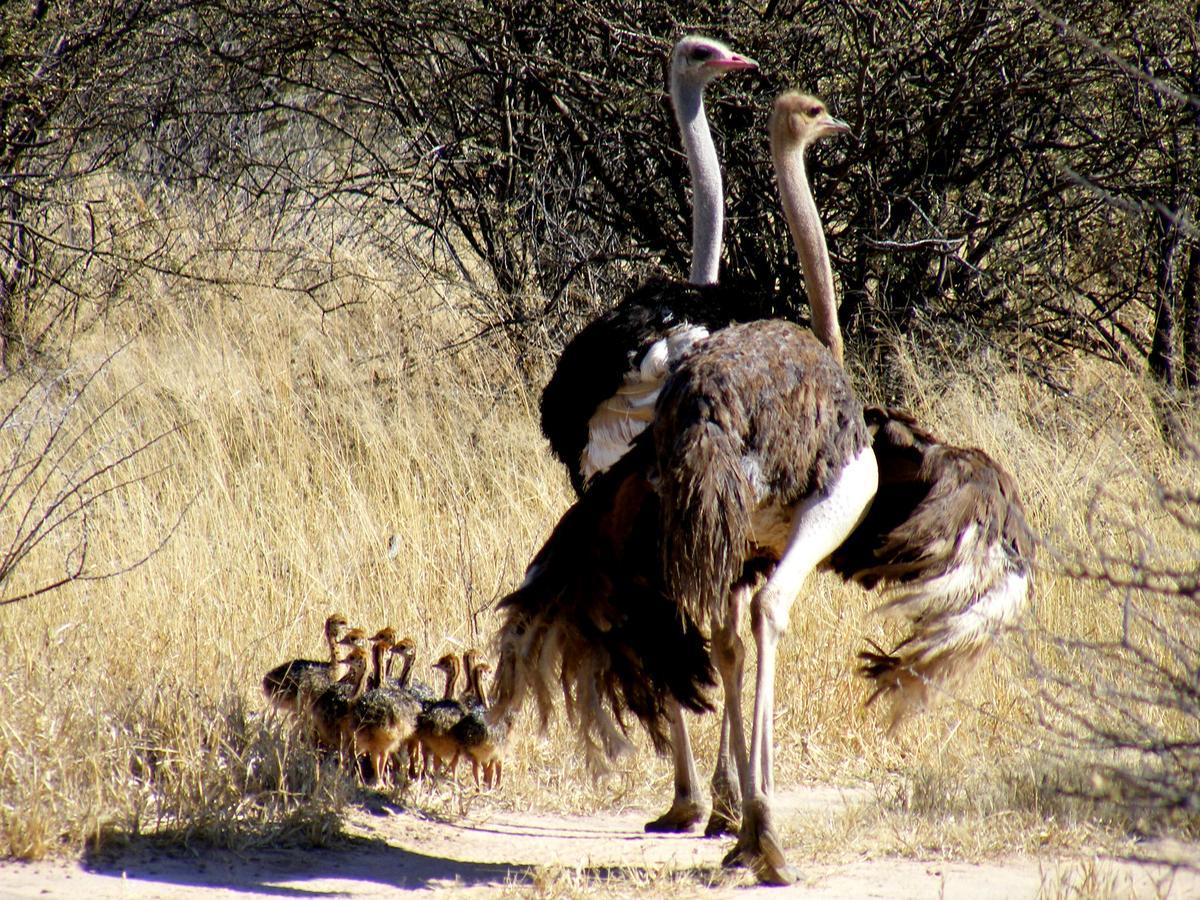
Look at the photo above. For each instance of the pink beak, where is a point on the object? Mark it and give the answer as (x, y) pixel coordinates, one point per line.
(732, 63)
(837, 126)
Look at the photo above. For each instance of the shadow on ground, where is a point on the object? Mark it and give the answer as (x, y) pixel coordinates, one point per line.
(295, 872)
(352, 862)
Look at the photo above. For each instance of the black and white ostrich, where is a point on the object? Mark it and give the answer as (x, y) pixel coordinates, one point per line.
(604, 387)
(759, 461)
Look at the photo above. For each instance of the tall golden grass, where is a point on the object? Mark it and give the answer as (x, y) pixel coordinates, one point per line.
(370, 461)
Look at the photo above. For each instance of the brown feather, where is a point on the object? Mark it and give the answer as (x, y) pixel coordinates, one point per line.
(947, 537)
(760, 414)
(592, 623)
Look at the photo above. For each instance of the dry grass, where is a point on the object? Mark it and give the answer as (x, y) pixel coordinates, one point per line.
(301, 446)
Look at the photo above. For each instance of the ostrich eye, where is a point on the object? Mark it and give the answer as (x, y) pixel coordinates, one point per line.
(815, 111)
(702, 53)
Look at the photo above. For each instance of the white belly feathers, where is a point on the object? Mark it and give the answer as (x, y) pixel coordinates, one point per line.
(621, 418)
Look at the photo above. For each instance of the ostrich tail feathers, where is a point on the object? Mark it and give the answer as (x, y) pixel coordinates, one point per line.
(947, 539)
(591, 623)
(913, 674)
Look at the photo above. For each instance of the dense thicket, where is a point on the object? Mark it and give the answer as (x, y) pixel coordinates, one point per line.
(1023, 174)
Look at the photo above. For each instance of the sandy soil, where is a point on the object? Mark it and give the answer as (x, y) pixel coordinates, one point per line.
(489, 852)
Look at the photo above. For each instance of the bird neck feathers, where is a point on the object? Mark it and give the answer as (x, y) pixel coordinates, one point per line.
(804, 222)
(708, 212)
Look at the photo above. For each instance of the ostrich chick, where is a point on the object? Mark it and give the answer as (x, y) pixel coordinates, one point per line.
(285, 684)
(380, 719)
(436, 721)
(329, 708)
(484, 741)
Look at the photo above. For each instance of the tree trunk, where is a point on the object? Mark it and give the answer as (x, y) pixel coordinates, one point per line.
(1191, 321)
(1163, 357)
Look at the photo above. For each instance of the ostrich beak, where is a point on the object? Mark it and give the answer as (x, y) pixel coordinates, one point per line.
(833, 125)
(732, 63)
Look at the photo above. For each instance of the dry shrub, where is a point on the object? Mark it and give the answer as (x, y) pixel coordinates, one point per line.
(1125, 698)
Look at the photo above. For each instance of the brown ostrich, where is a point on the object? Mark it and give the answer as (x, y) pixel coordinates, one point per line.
(484, 742)
(380, 719)
(436, 721)
(946, 534)
(328, 708)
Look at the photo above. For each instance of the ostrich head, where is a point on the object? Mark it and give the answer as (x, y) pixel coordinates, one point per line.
(699, 60)
(356, 660)
(403, 648)
(385, 636)
(450, 666)
(355, 637)
(334, 625)
(801, 119)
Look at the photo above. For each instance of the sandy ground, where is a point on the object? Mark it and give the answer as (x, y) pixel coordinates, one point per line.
(489, 852)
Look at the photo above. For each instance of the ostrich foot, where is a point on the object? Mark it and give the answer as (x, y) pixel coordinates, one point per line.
(758, 847)
(721, 823)
(682, 816)
(726, 807)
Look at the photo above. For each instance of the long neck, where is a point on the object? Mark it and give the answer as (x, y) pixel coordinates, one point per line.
(406, 672)
(809, 237)
(708, 211)
(468, 670)
(335, 663)
(451, 680)
(360, 681)
(477, 680)
(377, 665)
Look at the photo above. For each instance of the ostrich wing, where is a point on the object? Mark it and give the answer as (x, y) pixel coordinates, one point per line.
(946, 536)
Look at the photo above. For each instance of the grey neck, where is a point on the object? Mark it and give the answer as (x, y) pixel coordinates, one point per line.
(707, 199)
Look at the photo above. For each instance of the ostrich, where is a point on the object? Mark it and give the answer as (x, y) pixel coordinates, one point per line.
(602, 392)
(415, 691)
(482, 741)
(329, 707)
(380, 718)
(488, 753)
(948, 533)
(437, 720)
(760, 453)
(285, 684)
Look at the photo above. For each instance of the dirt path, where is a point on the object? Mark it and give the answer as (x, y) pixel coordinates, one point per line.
(487, 852)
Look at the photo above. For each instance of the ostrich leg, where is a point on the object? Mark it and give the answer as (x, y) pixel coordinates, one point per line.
(729, 654)
(819, 526)
(686, 809)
